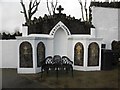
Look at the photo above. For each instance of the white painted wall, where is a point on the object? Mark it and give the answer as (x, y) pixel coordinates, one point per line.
(105, 21)
(69, 49)
(119, 24)
(8, 53)
(0, 54)
(49, 47)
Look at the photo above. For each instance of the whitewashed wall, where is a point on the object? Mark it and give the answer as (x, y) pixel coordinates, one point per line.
(8, 53)
(0, 54)
(49, 48)
(105, 21)
(119, 24)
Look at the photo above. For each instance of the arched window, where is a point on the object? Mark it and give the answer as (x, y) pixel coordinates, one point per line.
(40, 53)
(93, 54)
(78, 54)
(26, 55)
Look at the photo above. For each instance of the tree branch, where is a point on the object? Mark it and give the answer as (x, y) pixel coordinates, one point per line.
(48, 8)
(53, 6)
(30, 8)
(24, 10)
(86, 10)
(34, 11)
(33, 6)
(81, 9)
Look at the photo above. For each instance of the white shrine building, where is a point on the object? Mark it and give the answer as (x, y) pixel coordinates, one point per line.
(61, 42)
(78, 42)
(65, 36)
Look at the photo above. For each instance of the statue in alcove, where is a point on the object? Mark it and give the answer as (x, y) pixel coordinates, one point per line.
(26, 60)
(40, 53)
(78, 54)
(93, 54)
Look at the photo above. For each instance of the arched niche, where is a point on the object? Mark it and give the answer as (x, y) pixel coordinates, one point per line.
(78, 54)
(60, 42)
(93, 54)
(26, 55)
(40, 53)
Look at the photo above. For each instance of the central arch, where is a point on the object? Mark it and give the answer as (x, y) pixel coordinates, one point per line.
(57, 26)
(60, 42)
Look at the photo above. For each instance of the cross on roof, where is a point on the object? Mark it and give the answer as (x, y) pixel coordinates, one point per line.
(60, 9)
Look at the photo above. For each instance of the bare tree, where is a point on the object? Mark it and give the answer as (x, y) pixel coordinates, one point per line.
(86, 10)
(81, 9)
(48, 8)
(33, 7)
(53, 6)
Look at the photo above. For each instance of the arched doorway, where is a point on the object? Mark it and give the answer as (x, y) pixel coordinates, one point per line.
(26, 55)
(78, 54)
(40, 53)
(93, 54)
(60, 42)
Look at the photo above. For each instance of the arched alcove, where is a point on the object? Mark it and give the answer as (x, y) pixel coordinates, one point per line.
(60, 42)
(40, 53)
(26, 55)
(78, 54)
(93, 54)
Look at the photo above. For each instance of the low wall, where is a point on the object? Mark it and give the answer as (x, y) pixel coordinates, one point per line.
(8, 53)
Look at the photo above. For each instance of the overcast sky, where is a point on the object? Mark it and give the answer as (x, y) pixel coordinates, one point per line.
(11, 19)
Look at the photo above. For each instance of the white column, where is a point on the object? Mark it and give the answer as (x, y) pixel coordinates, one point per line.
(18, 53)
(34, 55)
(99, 55)
(85, 55)
(93, 34)
(24, 30)
(72, 53)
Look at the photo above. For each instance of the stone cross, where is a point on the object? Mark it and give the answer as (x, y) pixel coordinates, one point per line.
(60, 9)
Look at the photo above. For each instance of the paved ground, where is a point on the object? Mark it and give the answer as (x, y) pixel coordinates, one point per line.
(10, 79)
(95, 79)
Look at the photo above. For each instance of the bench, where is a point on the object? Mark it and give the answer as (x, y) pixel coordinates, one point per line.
(57, 63)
